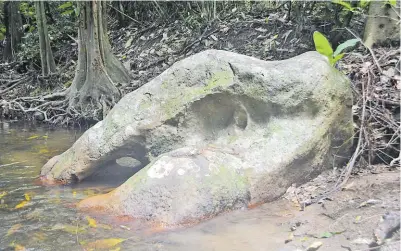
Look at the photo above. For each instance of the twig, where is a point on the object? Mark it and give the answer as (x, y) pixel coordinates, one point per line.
(367, 47)
(203, 36)
(124, 14)
(13, 86)
(73, 39)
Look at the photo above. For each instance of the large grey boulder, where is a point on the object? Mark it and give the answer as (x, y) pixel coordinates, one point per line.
(221, 131)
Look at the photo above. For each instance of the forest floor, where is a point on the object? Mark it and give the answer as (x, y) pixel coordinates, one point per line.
(149, 50)
(362, 215)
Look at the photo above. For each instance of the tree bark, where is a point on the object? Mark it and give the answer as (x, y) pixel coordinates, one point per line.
(46, 55)
(13, 23)
(98, 70)
(382, 24)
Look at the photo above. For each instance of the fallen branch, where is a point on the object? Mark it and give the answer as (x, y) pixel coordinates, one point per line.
(18, 82)
(203, 36)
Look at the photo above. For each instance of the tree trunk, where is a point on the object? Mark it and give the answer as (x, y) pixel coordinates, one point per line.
(13, 23)
(98, 70)
(46, 55)
(382, 24)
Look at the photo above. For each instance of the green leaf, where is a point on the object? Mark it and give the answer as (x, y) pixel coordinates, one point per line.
(67, 12)
(326, 235)
(363, 3)
(77, 10)
(344, 4)
(65, 5)
(333, 60)
(392, 2)
(31, 28)
(322, 45)
(345, 45)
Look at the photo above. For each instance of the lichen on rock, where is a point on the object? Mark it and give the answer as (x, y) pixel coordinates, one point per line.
(220, 131)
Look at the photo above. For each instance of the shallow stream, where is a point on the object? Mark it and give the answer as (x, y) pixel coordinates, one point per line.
(36, 217)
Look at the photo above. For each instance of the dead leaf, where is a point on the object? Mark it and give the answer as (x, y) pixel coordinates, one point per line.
(369, 202)
(39, 236)
(91, 221)
(103, 244)
(43, 151)
(304, 239)
(2, 194)
(27, 197)
(104, 226)
(290, 238)
(18, 247)
(13, 229)
(34, 137)
(21, 204)
(358, 218)
(129, 42)
(261, 30)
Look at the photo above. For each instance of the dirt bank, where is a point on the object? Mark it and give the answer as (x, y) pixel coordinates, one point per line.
(351, 219)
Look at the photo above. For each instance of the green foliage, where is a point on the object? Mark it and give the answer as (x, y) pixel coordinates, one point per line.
(68, 8)
(2, 31)
(27, 10)
(364, 3)
(392, 2)
(65, 5)
(346, 5)
(323, 46)
(346, 44)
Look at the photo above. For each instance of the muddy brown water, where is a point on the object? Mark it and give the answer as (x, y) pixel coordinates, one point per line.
(36, 217)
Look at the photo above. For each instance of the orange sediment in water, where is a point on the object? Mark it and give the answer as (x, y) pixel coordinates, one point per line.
(255, 205)
(98, 203)
(45, 181)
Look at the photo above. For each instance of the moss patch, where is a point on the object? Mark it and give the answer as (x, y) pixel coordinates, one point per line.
(219, 79)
